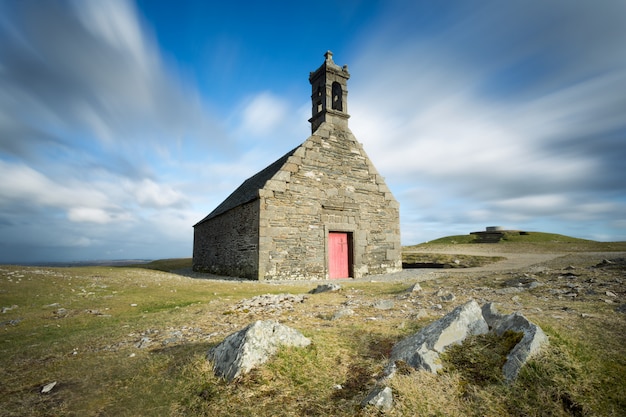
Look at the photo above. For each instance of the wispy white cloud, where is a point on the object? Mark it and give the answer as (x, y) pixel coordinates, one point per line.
(264, 113)
(516, 127)
(26, 185)
(96, 127)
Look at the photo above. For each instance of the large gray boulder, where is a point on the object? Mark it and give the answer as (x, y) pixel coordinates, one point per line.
(422, 350)
(252, 346)
(532, 340)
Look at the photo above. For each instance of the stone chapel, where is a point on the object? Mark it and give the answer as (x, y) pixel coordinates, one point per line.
(321, 211)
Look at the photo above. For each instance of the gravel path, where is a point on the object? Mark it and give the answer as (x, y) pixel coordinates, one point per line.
(514, 262)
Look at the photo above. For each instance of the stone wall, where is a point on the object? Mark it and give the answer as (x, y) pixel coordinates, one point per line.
(328, 184)
(228, 243)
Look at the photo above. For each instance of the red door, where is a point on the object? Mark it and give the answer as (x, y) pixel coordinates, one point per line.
(338, 255)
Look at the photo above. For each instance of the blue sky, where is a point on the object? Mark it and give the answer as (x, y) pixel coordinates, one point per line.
(124, 123)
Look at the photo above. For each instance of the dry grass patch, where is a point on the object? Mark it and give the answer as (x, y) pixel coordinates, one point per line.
(133, 342)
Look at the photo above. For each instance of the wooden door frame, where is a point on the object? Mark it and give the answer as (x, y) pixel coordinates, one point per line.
(350, 237)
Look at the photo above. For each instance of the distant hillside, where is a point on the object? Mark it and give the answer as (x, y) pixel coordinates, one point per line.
(537, 240)
(528, 237)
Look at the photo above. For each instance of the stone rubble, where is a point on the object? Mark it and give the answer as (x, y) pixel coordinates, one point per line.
(344, 312)
(383, 304)
(324, 288)
(269, 303)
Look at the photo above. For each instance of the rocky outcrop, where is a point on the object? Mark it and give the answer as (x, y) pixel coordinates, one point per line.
(421, 350)
(532, 340)
(252, 346)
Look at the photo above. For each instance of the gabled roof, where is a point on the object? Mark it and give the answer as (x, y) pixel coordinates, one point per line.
(249, 190)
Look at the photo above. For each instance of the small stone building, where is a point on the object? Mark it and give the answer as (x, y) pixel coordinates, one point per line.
(320, 211)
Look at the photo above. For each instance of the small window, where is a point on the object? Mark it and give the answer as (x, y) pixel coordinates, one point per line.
(337, 96)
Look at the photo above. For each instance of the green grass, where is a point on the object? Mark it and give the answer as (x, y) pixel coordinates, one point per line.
(94, 351)
(166, 265)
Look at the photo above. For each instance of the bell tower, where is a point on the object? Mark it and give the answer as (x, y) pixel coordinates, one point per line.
(329, 97)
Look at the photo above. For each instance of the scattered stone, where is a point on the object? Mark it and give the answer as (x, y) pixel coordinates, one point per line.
(344, 312)
(509, 290)
(420, 314)
(5, 309)
(143, 343)
(269, 303)
(133, 305)
(445, 296)
(421, 350)
(383, 304)
(13, 322)
(532, 341)
(176, 336)
(324, 288)
(52, 305)
(48, 387)
(521, 281)
(380, 397)
(252, 346)
(61, 312)
(414, 288)
(610, 294)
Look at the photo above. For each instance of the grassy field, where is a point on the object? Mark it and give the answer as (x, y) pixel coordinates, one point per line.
(132, 342)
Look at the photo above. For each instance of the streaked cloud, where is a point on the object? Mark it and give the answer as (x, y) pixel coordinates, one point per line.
(439, 118)
(477, 114)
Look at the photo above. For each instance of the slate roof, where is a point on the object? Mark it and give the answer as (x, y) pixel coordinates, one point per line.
(249, 190)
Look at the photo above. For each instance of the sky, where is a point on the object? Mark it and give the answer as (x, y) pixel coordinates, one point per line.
(122, 124)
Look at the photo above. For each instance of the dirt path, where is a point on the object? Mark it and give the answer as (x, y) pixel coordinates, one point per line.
(514, 260)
